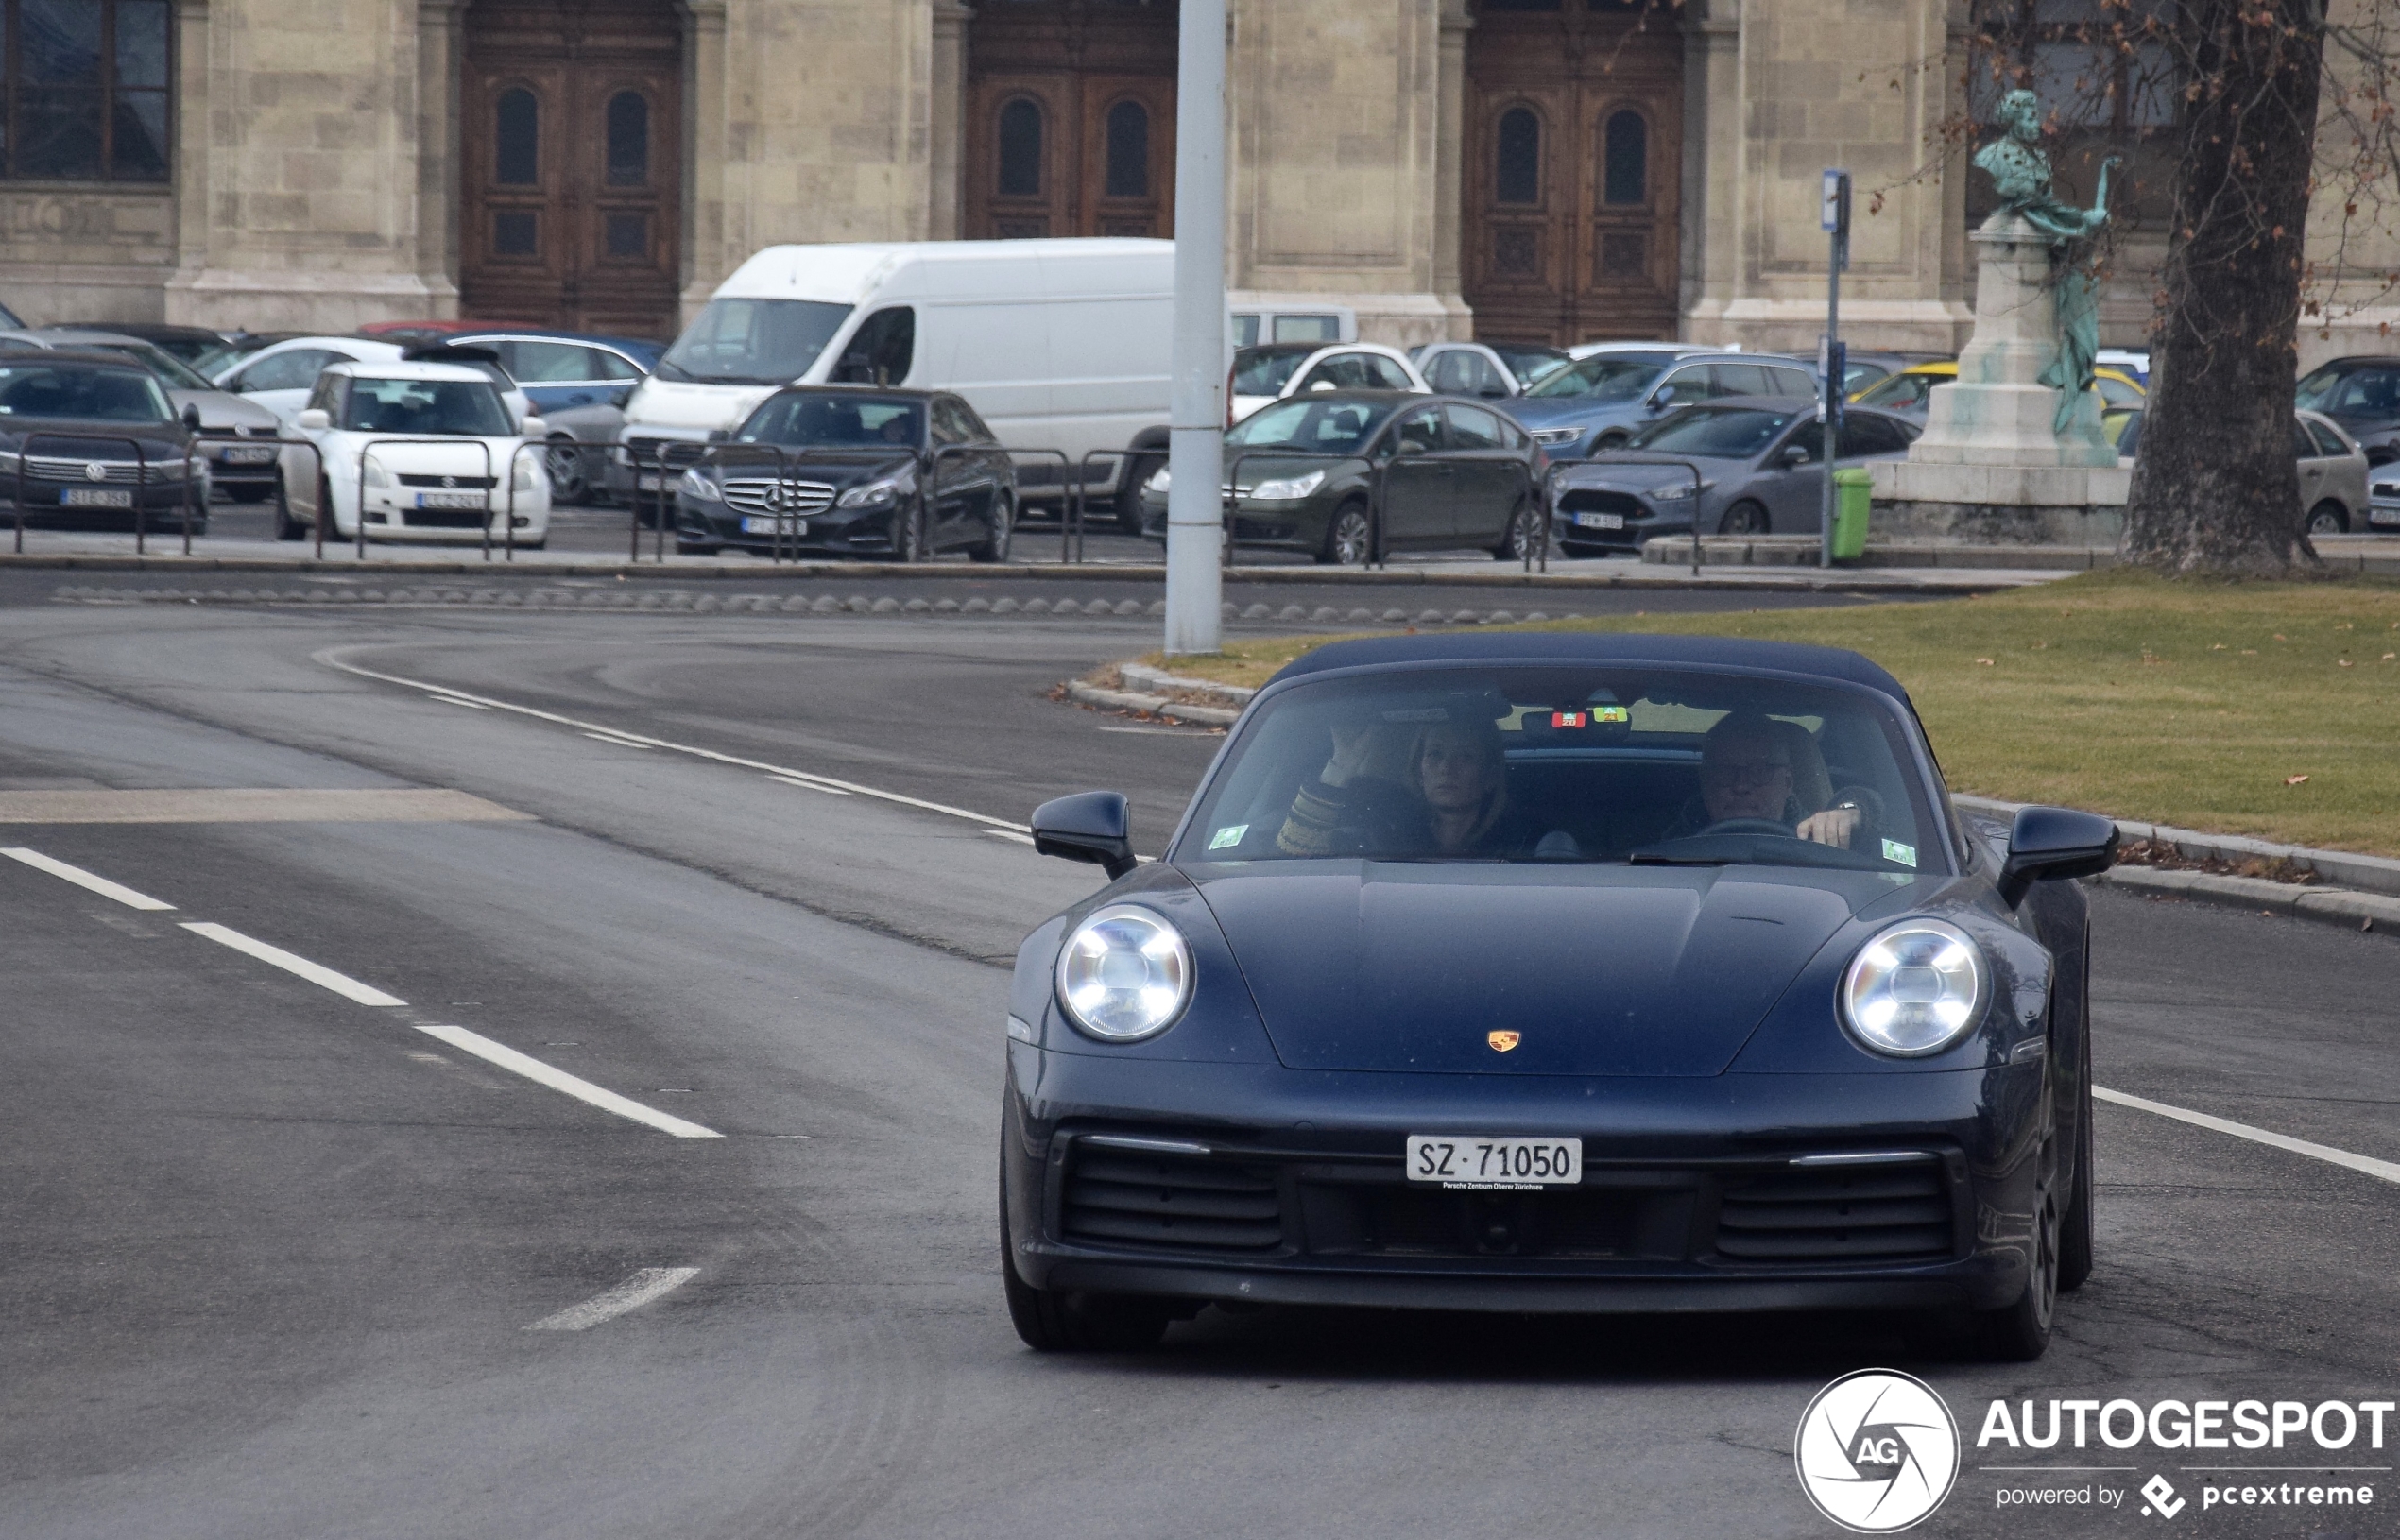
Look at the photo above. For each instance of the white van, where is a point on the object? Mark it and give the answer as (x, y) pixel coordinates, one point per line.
(1058, 343)
(1290, 318)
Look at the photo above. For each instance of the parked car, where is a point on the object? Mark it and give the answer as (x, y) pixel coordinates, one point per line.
(1304, 475)
(2383, 499)
(95, 442)
(187, 343)
(1600, 403)
(365, 418)
(1910, 392)
(579, 383)
(1299, 320)
(1865, 368)
(1273, 370)
(1557, 973)
(903, 473)
(1056, 344)
(1762, 466)
(1634, 344)
(412, 333)
(1493, 370)
(2133, 363)
(281, 375)
(244, 471)
(2363, 395)
(2334, 471)
(236, 347)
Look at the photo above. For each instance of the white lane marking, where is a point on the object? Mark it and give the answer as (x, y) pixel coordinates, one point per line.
(636, 1291)
(558, 1080)
(2384, 1170)
(82, 878)
(330, 660)
(452, 700)
(610, 739)
(1010, 834)
(316, 973)
(808, 786)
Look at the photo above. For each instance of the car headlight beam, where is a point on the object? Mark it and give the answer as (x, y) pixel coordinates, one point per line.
(1915, 989)
(1124, 974)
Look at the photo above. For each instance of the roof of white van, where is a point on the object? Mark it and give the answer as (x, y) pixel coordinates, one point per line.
(847, 274)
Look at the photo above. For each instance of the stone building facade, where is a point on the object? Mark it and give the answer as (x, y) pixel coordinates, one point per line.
(1531, 169)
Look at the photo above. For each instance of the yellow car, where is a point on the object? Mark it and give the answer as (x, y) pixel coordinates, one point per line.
(1909, 391)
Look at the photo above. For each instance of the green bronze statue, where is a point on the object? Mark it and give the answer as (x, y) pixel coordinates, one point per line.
(2021, 172)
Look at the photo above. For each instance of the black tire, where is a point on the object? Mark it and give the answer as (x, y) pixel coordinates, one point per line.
(994, 545)
(2075, 1249)
(1349, 536)
(908, 534)
(286, 528)
(2021, 1333)
(1745, 518)
(1610, 441)
(325, 509)
(571, 484)
(1523, 538)
(2328, 518)
(1139, 470)
(1054, 1321)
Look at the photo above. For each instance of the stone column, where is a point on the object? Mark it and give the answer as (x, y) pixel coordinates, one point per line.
(948, 150)
(705, 258)
(439, 52)
(191, 140)
(1450, 189)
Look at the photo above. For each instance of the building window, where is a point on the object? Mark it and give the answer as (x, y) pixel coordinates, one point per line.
(628, 139)
(1517, 175)
(1021, 149)
(1627, 171)
(86, 90)
(516, 139)
(1128, 150)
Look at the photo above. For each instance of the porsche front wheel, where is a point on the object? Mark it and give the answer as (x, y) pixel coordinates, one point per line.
(2021, 1333)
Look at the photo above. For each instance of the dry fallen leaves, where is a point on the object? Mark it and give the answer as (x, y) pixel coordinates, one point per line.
(1985, 662)
(2294, 780)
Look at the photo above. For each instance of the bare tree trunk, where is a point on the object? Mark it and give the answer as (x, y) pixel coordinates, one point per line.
(2217, 488)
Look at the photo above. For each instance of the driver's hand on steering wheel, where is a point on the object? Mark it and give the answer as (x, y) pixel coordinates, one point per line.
(1834, 826)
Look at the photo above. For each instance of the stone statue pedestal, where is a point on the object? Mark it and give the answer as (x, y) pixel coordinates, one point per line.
(1990, 467)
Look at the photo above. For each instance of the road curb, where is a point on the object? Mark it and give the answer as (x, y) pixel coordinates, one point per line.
(2371, 874)
(2337, 906)
(1159, 706)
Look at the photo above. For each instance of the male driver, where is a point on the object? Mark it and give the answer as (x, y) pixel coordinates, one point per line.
(1747, 770)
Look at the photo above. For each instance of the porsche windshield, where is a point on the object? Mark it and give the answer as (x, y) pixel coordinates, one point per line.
(1584, 763)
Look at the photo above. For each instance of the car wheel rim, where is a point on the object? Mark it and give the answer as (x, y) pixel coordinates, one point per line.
(566, 471)
(1349, 539)
(1520, 535)
(2324, 523)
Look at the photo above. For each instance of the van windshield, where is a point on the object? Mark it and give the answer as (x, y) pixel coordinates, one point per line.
(752, 341)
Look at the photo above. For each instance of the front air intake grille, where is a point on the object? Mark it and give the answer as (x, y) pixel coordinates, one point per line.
(757, 495)
(471, 484)
(1857, 1214)
(1596, 500)
(1177, 1202)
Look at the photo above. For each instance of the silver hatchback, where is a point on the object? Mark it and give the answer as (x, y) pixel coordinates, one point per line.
(2333, 473)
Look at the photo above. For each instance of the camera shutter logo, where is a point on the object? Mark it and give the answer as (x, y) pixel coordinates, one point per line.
(1876, 1451)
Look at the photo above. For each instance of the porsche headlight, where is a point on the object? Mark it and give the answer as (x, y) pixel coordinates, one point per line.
(1124, 974)
(1915, 989)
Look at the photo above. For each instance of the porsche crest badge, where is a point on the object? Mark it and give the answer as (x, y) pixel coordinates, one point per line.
(1503, 1041)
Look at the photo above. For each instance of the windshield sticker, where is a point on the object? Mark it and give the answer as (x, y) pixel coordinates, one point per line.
(1231, 834)
(1611, 713)
(1570, 719)
(1904, 854)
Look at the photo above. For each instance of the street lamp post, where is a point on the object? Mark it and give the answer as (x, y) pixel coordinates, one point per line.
(1195, 462)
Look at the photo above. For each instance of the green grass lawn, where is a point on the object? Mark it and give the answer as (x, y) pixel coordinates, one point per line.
(2186, 703)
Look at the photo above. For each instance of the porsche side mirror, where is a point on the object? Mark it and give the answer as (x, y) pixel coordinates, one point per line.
(1089, 825)
(314, 418)
(2047, 843)
(192, 415)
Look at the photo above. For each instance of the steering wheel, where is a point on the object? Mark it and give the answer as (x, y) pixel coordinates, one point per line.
(1749, 826)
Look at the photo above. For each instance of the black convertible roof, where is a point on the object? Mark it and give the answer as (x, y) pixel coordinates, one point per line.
(1598, 647)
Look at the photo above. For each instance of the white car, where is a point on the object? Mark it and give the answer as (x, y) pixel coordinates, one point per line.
(1273, 370)
(431, 449)
(279, 377)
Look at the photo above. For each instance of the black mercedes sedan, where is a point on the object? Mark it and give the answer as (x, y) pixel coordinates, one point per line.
(1335, 474)
(89, 440)
(842, 469)
(1552, 972)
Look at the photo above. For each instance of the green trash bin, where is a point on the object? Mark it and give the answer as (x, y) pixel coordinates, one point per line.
(1853, 490)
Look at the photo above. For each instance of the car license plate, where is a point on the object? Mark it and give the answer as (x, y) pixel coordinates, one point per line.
(1474, 1161)
(248, 454)
(1600, 521)
(647, 483)
(792, 528)
(94, 497)
(450, 499)
(2384, 516)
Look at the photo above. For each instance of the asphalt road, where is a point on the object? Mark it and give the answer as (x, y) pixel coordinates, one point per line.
(268, 1253)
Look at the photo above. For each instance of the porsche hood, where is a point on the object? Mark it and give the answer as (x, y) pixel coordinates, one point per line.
(1600, 971)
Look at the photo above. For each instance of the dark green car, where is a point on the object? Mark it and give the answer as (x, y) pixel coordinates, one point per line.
(1309, 473)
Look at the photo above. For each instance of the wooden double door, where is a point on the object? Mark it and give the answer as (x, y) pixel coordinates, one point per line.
(1573, 150)
(571, 187)
(1071, 119)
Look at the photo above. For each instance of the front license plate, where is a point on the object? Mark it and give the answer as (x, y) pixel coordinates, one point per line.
(94, 497)
(450, 499)
(2383, 516)
(647, 484)
(1600, 521)
(248, 454)
(1509, 1165)
(792, 528)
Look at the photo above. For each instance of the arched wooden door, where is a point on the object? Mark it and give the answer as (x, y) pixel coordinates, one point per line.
(1071, 119)
(1573, 172)
(571, 181)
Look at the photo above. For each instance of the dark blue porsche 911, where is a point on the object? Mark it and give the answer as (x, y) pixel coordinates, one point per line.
(1558, 973)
